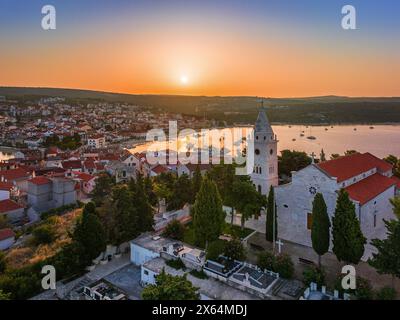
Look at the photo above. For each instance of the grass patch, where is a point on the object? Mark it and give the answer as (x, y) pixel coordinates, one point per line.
(176, 264)
(236, 231)
(199, 274)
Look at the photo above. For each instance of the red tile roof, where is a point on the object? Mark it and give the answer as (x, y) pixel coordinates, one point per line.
(72, 164)
(40, 180)
(346, 167)
(83, 176)
(9, 205)
(368, 188)
(6, 186)
(15, 174)
(89, 164)
(6, 233)
(159, 169)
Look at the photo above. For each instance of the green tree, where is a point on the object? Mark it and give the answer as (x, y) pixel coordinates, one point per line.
(234, 250)
(208, 216)
(183, 193)
(125, 220)
(290, 161)
(387, 259)
(320, 229)
(4, 296)
(196, 183)
(3, 263)
(322, 156)
(170, 287)
(144, 211)
(89, 234)
(102, 189)
(174, 230)
(246, 199)
(44, 234)
(271, 210)
(348, 240)
(215, 249)
(224, 177)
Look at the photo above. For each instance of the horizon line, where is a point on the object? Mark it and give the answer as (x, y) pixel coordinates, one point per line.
(198, 95)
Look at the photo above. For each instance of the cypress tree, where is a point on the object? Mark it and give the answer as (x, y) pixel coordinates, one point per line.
(321, 224)
(208, 216)
(89, 234)
(269, 231)
(348, 240)
(143, 209)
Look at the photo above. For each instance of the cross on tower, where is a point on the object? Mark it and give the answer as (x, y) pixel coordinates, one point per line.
(313, 156)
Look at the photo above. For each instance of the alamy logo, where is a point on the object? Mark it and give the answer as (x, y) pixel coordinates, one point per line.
(349, 18)
(49, 280)
(49, 20)
(349, 280)
(233, 145)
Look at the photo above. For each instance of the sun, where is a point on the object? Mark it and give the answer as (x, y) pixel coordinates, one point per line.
(184, 79)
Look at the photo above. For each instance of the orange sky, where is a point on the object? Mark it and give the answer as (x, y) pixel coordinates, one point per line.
(234, 60)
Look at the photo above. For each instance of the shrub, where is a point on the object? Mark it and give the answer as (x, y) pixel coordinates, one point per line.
(176, 264)
(234, 250)
(199, 274)
(284, 266)
(386, 293)
(174, 230)
(2, 262)
(363, 289)
(266, 260)
(43, 234)
(215, 249)
(313, 274)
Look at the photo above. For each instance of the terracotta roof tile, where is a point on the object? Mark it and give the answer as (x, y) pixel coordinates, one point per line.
(9, 205)
(368, 188)
(346, 167)
(6, 233)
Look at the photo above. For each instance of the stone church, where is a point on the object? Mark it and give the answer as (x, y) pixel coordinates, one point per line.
(368, 180)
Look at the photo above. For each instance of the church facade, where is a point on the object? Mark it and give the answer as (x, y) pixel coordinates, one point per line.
(265, 171)
(368, 180)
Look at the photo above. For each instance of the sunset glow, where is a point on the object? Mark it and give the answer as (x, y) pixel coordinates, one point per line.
(204, 49)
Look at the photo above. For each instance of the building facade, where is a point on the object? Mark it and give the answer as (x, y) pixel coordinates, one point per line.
(265, 172)
(368, 181)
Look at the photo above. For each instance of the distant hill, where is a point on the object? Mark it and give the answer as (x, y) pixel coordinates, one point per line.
(240, 109)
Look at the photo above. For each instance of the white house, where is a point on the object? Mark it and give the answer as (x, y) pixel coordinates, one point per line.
(5, 190)
(97, 141)
(368, 181)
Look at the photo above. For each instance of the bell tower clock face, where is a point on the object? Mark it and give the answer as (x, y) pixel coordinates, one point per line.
(312, 190)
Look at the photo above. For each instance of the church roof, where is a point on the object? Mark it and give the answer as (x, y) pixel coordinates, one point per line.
(369, 188)
(344, 168)
(262, 122)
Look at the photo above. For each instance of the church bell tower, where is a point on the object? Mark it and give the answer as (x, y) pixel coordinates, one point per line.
(265, 171)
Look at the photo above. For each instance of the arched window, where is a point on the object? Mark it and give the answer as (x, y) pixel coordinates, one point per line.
(260, 170)
(259, 188)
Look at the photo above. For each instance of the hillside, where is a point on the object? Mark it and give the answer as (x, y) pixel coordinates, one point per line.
(307, 110)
